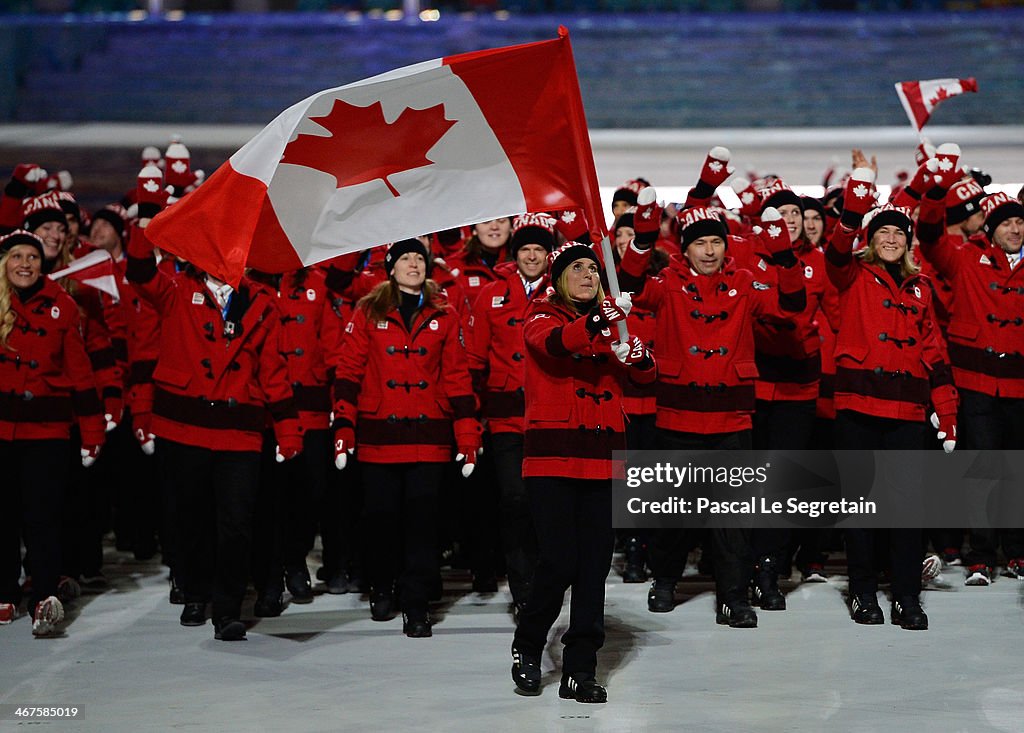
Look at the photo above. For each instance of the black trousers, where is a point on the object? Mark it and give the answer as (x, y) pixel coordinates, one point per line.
(992, 423)
(518, 536)
(573, 518)
(400, 512)
(32, 492)
(215, 496)
(781, 425)
(270, 518)
(856, 431)
(730, 547)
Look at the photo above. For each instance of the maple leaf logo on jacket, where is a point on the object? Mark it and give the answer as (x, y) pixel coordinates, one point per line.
(346, 154)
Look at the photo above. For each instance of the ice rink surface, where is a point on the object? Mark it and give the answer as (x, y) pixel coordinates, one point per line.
(128, 665)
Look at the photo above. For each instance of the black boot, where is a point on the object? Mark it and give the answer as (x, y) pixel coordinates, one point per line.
(193, 614)
(864, 609)
(269, 604)
(382, 606)
(177, 595)
(765, 589)
(636, 554)
(581, 688)
(661, 597)
(526, 672)
(908, 614)
(416, 624)
(228, 629)
(736, 613)
(296, 580)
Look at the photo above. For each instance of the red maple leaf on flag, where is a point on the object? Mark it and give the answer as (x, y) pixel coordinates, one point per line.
(940, 94)
(363, 146)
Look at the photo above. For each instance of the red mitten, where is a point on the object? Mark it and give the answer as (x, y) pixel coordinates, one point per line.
(113, 411)
(774, 234)
(89, 454)
(142, 423)
(632, 352)
(179, 170)
(27, 179)
(616, 309)
(750, 202)
(713, 174)
(859, 197)
(910, 195)
(945, 400)
(468, 443)
(150, 194)
(646, 219)
(572, 225)
(947, 161)
(344, 446)
(287, 448)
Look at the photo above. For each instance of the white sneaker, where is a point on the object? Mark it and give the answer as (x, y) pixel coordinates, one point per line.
(49, 613)
(978, 575)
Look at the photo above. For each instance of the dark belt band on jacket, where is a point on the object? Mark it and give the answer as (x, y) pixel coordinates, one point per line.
(885, 385)
(788, 369)
(414, 430)
(504, 404)
(212, 414)
(592, 443)
(312, 397)
(988, 361)
(705, 397)
(25, 407)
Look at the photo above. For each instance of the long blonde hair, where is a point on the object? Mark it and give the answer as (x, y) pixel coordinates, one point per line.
(7, 314)
(386, 297)
(869, 256)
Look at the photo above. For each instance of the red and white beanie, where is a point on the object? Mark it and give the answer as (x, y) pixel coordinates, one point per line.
(700, 222)
(998, 208)
(532, 229)
(41, 209)
(565, 255)
(963, 200)
(778, 194)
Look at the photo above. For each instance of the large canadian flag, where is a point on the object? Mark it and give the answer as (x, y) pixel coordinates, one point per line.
(919, 98)
(436, 145)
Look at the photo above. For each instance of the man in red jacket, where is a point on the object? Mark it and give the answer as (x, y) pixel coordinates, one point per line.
(986, 345)
(706, 309)
(220, 371)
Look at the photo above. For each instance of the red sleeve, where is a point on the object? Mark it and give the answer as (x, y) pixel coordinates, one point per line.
(458, 387)
(839, 257)
(348, 359)
(273, 379)
(87, 407)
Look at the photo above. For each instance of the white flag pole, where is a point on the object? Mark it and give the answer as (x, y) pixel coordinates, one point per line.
(613, 283)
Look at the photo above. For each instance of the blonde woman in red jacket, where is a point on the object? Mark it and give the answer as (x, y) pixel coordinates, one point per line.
(573, 420)
(403, 400)
(47, 383)
(890, 365)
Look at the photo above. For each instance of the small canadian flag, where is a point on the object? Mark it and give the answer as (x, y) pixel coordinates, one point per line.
(919, 98)
(96, 270)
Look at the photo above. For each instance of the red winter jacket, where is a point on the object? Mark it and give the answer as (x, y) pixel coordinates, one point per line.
(497, 351)
(574, 416)
(302, 300)
(889, 353)
(705, 337)
(472, 274)
(407, 394)
(46, 381)
(216, 378)
(986, 327)
(788, 353)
